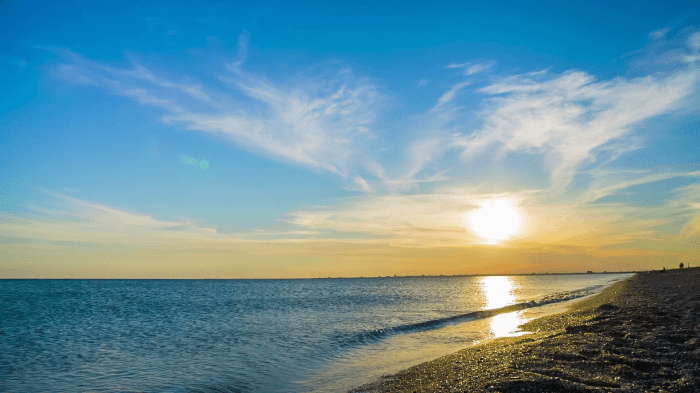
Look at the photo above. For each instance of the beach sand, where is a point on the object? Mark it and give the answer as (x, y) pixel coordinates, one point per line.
(639, 335)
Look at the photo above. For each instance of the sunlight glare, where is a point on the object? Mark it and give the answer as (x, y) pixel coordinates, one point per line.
(495, 221)
(498, 293)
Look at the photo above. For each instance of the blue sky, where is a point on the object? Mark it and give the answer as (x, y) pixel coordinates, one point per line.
(270, 139)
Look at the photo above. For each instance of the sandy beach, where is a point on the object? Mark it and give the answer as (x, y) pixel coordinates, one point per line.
(639, 335)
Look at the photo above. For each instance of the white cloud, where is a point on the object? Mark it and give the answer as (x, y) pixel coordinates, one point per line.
(692, 228)
(670, 49)
(569, 116)
(409, 220)
(659, 34)
(319, 124)
(315, 122)
(75, 220)
(66, 219)
(476, 68)
(472, 68)
(694, 46)
(685, 204)
(606, 183)
(243, 39)
(448, 96)
(694, 42)
(362, 183)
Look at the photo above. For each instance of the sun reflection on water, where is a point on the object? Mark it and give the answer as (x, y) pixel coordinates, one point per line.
(498, 293)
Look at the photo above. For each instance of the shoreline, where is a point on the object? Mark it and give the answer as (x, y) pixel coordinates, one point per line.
(639, 334)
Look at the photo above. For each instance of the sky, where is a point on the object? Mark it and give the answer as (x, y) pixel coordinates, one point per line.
(274, 139)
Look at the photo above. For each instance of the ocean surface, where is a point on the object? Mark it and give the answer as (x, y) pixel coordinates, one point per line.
(317, 335)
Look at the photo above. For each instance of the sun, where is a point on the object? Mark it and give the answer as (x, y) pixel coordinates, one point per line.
(495, 221)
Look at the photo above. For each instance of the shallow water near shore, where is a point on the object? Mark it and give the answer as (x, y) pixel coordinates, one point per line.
(256, 335)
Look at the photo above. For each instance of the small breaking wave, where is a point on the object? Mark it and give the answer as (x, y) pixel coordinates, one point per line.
(378, 334)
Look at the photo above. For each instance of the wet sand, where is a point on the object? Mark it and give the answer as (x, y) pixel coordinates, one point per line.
(641, 334)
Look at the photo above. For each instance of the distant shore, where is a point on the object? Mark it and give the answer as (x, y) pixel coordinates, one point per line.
(323, 278)
(641, 334)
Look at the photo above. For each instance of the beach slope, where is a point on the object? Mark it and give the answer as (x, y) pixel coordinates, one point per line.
(641, 334)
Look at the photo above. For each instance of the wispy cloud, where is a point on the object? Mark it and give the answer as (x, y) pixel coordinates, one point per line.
(362, 183)
(63, 218)
(659, 34)
(670, 48)
(420, 220)
(472, 68)
(76, 220)
(694, 45)
(570, 119)
(319, 125)
(567, 117)
(316, 122)
(243, 40)
(449, 95)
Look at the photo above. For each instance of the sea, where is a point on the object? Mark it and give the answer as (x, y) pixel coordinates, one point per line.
(305, 335)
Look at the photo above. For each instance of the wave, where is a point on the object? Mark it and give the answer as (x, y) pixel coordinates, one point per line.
(378, 334)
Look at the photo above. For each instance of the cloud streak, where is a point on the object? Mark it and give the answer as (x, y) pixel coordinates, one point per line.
(314, 122)
(472, 68)
(68, 219)
(569, 116)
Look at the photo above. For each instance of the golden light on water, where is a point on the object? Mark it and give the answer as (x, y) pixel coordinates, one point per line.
(498, 293)
(495, 221)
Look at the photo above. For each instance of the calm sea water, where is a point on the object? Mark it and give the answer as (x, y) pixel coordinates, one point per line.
(254, 335)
